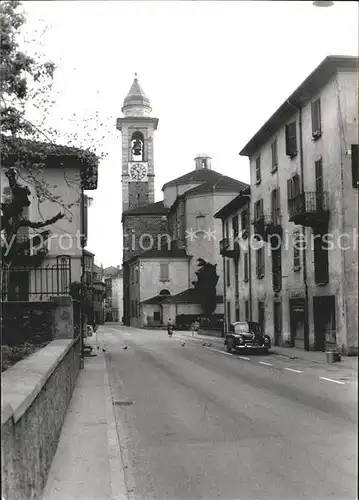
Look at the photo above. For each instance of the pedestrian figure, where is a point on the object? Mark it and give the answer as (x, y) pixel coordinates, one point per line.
(195, 327)
(170, 327)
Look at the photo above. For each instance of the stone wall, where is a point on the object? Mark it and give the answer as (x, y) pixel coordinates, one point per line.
(35, 396)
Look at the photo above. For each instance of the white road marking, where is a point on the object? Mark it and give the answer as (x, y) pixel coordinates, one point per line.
(242, 357)
(331, 380)
(292, 370)
(264, 363)
(217, 350)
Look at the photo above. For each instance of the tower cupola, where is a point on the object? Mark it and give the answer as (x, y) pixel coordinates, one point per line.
(136, 102)
(203, 161)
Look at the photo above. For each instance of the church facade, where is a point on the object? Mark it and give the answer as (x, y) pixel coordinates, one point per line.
(163, 240)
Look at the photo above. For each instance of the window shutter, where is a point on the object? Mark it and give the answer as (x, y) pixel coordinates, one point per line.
(289, 190)
(355, 165)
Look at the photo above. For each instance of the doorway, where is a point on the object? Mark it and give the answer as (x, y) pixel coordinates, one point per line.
(277, 323)
(297, 318)
(324, 322)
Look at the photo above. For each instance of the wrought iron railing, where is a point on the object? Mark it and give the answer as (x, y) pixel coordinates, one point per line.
(309, 202)
(223, 245)
(35, 283)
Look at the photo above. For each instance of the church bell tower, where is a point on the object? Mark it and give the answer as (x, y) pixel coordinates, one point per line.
(137, 127)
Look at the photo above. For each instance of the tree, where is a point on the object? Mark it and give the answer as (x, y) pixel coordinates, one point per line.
(22, 79)
(205, 286)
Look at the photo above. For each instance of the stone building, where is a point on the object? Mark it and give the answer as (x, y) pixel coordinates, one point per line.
(113, 301)
(163, 240)
(304, 211)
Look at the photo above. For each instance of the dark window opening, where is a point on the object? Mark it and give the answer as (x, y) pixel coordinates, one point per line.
(246, 308)
(260, 263)
(355, 165)
(261, 315)
(246, 267)
(276, 206)
(258, 210)
(316, 119)
(291, 148)
(258, 170)
(235, 226)
(321, 260)
(274, 155)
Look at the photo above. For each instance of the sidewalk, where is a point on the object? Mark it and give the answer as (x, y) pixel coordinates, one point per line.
(88, 464)
(350, 362)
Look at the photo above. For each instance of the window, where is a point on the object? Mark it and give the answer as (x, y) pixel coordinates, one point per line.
(235, 226)
(156, 316)
(291, 139)
(244, 220)
(319, 176)
(258, 170)
(277, 322)
(246, 267)
(275, 206)
(237, 313)
(226, 235)
(296, 251)
(355, 165)
(200, 222)
(258, 209)
(236, 278)
(316, 119)
(260, 262)
(246, 309)
(274, 155)
(261, 315)
(228, 273)
(293, 187)
(164, 271)
(321, 260)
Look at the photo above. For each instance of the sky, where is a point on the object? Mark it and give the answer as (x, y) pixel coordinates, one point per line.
(214, 72)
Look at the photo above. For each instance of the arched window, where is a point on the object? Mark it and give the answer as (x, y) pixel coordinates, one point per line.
(137, 147)
(165, 292)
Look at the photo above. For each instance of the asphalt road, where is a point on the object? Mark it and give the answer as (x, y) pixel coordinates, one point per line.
(195, 423)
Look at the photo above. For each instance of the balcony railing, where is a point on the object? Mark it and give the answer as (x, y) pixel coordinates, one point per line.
(229, 248)
(309, 209)
(273, 224)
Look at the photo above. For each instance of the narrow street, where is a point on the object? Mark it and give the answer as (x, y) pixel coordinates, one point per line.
(196, 423)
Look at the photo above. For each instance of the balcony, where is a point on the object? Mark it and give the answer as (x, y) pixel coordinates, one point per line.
(309, 209)
(273, 225)
(229, 248)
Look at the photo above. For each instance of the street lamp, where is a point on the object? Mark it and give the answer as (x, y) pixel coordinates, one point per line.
(323, 4)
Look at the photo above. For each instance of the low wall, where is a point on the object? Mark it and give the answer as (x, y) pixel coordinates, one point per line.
(35, 396)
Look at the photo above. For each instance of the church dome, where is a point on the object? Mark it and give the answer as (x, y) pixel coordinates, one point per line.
(202, 155)
(136, 102)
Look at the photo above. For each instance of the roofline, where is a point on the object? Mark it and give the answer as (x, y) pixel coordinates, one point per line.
(233, 205)
(126, 119)
(315, 81)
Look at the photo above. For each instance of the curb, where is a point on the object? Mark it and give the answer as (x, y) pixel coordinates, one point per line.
(117, 474)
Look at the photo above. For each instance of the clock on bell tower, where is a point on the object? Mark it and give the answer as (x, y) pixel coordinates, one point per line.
(137, 127)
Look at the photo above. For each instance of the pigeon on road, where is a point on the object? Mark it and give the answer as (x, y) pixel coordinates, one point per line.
(182, 344)
(125, 347)
(209, 345)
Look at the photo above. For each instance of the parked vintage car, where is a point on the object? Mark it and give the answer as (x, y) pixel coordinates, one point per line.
(246, 336)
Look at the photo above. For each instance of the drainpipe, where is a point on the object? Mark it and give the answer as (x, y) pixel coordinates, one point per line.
(82, 323)
(304, 251)
(224, 285)
(250, 263)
